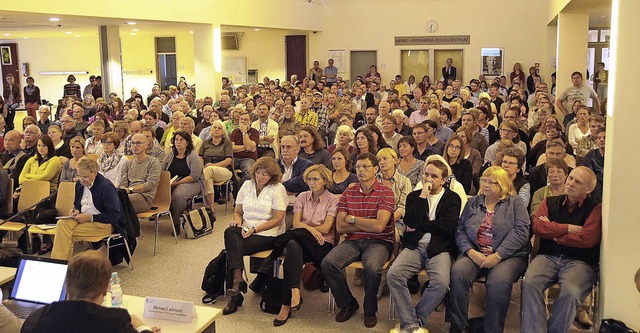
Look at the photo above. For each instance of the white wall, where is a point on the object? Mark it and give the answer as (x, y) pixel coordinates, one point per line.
(518, 26)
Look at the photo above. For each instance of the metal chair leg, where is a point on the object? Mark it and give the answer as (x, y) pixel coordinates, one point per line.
(155, 234)
(173, 227)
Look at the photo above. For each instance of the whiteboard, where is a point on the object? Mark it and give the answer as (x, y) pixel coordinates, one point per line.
(235, 68)
(339, 59)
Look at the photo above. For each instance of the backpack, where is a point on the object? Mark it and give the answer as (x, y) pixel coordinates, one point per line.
(271, 301)
(215, 278)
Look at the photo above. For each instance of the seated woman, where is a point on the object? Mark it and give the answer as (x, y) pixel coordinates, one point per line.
(493, 238)
(111, 160)
(61, 147)
(557, 172)
(174, 126)
(69, 168)
(44, 165)
(512, 162)
(121, 129)
(344, 137)
(312, 237)
(409, 166)
(390, 177)
(461, 167)
(182, 162)
(28, 120)
(364, 144)
(93, 144)
(217, 157)
(257, 219)
(342, 176)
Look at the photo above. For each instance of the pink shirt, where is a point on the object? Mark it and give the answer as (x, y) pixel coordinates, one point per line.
(314, 212)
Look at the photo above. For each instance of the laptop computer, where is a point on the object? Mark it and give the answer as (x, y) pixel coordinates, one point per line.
(39, 281)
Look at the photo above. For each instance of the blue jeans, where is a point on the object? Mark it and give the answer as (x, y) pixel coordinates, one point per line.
(373, 253)
(243, 164)
(500, 279)
(407, 264)
(576, 278)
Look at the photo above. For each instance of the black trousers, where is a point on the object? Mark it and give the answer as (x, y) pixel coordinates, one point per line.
(238, 247)
(301, 247)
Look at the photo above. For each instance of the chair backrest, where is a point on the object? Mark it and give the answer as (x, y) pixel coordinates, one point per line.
(32, 192)
(8, 200)
(93, 156)
(66, 195)
(163, 195)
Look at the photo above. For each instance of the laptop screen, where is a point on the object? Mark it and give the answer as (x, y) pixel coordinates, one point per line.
(40, 280)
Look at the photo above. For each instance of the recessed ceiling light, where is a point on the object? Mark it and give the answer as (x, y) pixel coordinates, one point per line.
(257, 29)
(68, 32)
(26, 37)
(54, 19)
(134, 30)
(7, 34)
(133, 34)
(131, 23)
(191, 31)
(77, 35)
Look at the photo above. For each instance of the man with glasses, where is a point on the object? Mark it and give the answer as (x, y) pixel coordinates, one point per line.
(141, 174)
(364, 215)
(12, 155)
(268, 131)
(68, 128)
(512, 162)
(427, 143)
(43, 123)
(154, 148)
(96, 211)
(292, 166)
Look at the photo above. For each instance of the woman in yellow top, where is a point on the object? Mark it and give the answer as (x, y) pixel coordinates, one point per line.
(44, 165)
(171, 128)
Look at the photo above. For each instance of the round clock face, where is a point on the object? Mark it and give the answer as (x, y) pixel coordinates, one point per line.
(432, 26)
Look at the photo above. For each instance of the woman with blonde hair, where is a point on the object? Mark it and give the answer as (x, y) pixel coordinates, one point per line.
(493, 238)
(216, 154)
(344, 137)
(111, 161)
(311, 239)
(171, 128)
(69, 170)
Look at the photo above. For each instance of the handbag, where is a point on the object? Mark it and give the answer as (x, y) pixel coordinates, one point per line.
(198, 222)
(311, 277)
(614, 326)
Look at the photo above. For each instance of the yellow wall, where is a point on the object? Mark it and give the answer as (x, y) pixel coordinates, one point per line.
(520, 31)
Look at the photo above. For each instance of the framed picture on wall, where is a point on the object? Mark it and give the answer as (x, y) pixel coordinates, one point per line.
(492, 61)
(5, 51)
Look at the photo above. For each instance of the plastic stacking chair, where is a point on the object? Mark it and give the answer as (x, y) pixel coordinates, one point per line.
(64, 204)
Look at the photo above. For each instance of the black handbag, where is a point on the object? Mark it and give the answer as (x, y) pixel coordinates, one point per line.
(614, 326)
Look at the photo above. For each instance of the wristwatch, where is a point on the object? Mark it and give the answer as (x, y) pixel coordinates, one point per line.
(130, 190)
(351, 219)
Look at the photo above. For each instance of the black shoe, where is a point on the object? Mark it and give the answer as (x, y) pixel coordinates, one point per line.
(297, 307)
(234, 303)
(45, 249)
(258, 284)
(324, 287)
(370, 321)
(237, 289)
(277, 322)
(413, 284)
(36, 245)
(346, 312)
(177, 229)
(221, 201)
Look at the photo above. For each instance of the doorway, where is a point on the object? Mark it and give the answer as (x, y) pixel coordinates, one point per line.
(296, 51)
(166, 62)
(360, 63)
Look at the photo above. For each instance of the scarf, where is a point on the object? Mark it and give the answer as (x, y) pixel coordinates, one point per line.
(108, 162)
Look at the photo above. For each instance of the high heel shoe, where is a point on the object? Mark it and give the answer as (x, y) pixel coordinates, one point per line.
(297, 307)
(234, 303)
(237, 289)
(277, 322)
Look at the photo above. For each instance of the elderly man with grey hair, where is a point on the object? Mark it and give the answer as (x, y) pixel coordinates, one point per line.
(68, 128)
(43, 123)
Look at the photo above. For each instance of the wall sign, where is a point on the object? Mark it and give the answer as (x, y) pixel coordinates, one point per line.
(433, 40)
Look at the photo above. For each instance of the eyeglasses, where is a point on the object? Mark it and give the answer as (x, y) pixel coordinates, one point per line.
(455, 147)
(509, 163)
(363, 167)
(504, 130)
(488, 181)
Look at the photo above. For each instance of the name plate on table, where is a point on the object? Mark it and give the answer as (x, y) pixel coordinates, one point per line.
(168, 309)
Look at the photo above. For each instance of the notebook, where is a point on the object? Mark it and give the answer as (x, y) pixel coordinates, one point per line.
(39, 281)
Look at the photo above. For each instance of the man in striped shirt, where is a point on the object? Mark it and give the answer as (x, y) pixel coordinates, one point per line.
(364, 215)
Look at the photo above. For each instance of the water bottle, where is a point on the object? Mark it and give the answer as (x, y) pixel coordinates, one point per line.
(116, 291)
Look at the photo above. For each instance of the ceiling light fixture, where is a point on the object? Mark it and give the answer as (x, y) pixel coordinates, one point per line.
(133, 34)
(257, 29)
(131, 23)
(26, 37)
(54, 19)
(68, 32)
(134, 30)
(7, 34)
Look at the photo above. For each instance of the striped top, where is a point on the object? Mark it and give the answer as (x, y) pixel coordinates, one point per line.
(357, 203)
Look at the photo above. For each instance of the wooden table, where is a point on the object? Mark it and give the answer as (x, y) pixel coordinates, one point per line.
(7, 274)
(204, 322)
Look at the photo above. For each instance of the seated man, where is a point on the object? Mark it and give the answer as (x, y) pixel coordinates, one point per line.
(141, 174)
(96, 212)
(87, 284)
(292, 166)
(432, 213)
(538, 174)
(268, 130)
(245, 142)
(569, 228)
(364, 215)
(154, 148)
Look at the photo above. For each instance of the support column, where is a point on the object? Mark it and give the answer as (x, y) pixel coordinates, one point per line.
(208, 81)
(620, 258)
(571, 54)
(110, 60)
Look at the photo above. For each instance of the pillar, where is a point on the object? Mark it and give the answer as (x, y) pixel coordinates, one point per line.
(208, 80)
(571, 52)
(110, 61)
(620, 257)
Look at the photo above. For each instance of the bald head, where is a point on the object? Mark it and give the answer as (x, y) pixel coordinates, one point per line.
(12, 140)
(135, 127)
